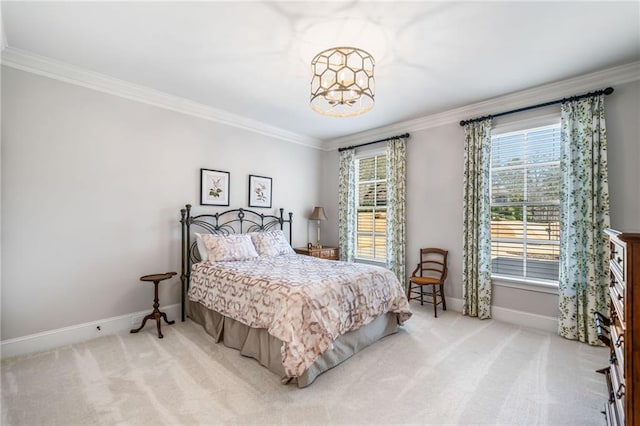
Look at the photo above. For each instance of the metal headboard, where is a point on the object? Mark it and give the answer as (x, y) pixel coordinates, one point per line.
(235, 221)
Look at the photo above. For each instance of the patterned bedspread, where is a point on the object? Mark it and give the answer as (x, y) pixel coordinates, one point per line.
(304, 301)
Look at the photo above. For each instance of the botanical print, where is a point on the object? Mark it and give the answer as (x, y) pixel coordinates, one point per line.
(214, 187)
(476, 253)
(584, 215)
(259, 191)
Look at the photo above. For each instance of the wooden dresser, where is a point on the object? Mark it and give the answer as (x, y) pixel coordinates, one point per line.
(322, 252)
(622, 330)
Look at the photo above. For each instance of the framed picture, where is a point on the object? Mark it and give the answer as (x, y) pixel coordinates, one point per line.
(259, 191)
(214, 188)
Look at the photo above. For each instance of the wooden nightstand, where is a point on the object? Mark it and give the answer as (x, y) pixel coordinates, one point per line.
(324, 253)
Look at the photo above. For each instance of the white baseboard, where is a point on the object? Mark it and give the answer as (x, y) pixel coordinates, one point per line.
(82, 332)
(525, 319)
(78, 333)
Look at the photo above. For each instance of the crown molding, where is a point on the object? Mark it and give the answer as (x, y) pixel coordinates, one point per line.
(585, 83)
(47, 67)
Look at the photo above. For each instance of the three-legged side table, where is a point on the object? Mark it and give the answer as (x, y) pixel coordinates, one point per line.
(156, 314)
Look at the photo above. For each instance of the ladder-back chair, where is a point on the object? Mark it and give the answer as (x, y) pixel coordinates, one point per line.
(430, 274)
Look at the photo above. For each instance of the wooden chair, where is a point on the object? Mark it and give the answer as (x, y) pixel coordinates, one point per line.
(431, 272)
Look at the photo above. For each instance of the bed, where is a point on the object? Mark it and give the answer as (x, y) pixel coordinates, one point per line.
(297, 315)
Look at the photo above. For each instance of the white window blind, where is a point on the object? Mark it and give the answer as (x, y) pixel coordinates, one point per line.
(371, 226)
(525, 203)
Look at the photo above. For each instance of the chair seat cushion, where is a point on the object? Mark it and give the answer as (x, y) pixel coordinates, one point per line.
(424, 280)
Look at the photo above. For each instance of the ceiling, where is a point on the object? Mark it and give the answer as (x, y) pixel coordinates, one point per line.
(252, 59)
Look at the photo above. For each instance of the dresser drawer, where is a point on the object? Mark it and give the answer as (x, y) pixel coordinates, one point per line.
(616, 277)
(617, 342)
(618, 391)
(617, 300)
(617, 258)
(610, 414)
(610, 409)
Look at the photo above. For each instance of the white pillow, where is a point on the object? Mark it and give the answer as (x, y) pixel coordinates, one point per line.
(271, 243)
(202, 248)
(229, 247)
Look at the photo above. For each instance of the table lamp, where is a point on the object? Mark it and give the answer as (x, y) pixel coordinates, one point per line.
(318, 215)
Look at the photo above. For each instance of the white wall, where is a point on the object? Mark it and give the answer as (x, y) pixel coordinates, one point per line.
(434, 192)
(623, 135)
(92, 185)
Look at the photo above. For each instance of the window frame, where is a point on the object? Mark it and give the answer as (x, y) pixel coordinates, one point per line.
(513, 281)
(369, 153)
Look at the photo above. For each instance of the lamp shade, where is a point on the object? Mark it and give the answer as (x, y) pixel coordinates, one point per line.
(318, 214)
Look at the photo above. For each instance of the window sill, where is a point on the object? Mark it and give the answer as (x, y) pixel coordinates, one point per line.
(522, 284)
(370, 261)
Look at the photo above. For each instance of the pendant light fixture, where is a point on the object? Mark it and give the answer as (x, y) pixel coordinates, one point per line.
(343, 83)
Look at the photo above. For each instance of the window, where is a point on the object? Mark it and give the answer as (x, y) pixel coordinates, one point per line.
(525, 204)
(371, 218)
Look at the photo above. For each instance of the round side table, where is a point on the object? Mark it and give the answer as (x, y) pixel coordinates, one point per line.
(156, 314)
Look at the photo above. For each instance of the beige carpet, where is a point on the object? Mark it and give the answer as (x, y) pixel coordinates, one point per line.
(449, 370)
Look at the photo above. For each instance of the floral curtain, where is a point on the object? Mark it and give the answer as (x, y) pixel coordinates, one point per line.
(347, 205)
(584, 214)
(476, 253)
(396, 192)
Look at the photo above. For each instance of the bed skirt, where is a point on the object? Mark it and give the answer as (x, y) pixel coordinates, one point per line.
(259, 344)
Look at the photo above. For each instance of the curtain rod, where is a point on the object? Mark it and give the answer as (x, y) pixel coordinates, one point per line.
(406, 135)
(607, 91)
